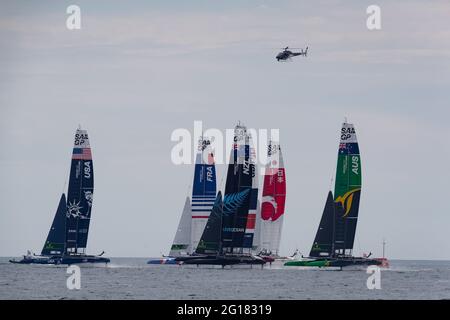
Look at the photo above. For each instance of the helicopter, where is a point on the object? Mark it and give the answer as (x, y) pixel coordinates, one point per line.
(287, 54)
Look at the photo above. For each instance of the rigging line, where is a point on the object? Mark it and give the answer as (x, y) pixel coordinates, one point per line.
(188, 190)
(359, 244)
(222, 185)
(64, 186)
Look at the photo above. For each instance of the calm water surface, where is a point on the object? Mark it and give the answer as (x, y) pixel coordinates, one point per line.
(132, 278)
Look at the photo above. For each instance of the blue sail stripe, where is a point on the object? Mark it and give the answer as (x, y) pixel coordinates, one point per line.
(204, 197)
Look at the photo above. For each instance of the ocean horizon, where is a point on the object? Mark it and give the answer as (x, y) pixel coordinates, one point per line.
(133, 278)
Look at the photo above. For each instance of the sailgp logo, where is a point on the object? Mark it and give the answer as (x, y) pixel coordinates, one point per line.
(272, 149)
(347, 133)
(234, 200)
(346, 201)
(81, 139)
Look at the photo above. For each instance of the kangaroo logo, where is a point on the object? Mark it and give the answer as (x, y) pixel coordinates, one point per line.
(346, 201)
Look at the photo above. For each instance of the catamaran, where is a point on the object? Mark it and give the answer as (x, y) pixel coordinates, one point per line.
(333, 244)
(196, 212)
(228, 236)
(272, 204)
(67, 238)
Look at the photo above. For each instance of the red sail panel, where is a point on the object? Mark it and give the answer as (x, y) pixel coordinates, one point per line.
(273, 200)
(267, 206)
(274, 194)
(280, 193)
(251, 221)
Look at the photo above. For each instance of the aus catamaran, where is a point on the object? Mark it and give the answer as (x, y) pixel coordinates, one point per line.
(196, 211)
(333, 244)
(67, 238)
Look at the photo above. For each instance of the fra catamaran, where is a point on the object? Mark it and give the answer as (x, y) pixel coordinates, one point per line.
(333, 244)
(67, 239)
(196, 211)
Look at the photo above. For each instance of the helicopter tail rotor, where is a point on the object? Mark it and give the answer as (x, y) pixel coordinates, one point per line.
(305, 53)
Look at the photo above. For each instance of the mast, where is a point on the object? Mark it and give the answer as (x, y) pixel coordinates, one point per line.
(347, 191)
(80, 194)
(238, 187)
(273, 199)
(250, 227)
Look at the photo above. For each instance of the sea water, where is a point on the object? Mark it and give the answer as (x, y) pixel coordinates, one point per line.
(132, 278)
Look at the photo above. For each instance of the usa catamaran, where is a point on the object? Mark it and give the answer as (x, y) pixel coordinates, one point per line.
(67, 239)
(333, 244)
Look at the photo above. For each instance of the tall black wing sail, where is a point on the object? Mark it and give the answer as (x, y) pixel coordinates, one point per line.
(345, 225)
(236, 201)
(210, 240)
(340, 230)
(54, 244)
(79, 195)
(323, 242)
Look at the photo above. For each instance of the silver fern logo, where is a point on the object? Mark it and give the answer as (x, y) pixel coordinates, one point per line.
(234, 200)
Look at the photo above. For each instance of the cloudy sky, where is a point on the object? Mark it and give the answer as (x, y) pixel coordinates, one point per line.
(137, 70)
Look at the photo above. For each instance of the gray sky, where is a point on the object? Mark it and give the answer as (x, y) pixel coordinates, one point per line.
(137, 70)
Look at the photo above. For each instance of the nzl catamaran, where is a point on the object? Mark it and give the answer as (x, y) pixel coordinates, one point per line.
(333, 244)
(67, 239)
(227, 238)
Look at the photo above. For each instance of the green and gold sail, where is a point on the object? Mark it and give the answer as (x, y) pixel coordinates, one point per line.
(347, 190)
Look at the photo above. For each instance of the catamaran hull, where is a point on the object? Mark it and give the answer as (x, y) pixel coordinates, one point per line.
(267, 259)
(334, 263)
(226, 260)
(66, 260)
(183, 259)
(170, 261)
